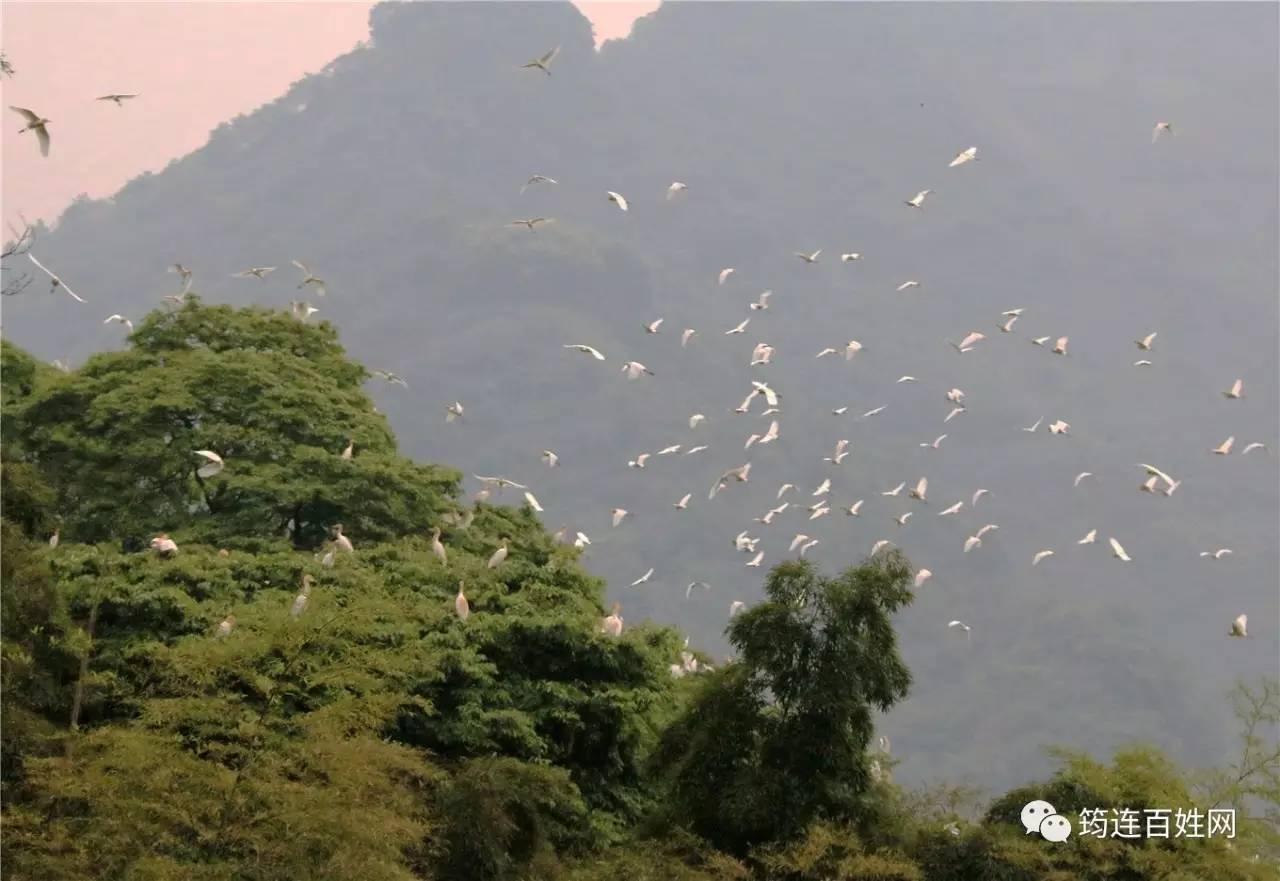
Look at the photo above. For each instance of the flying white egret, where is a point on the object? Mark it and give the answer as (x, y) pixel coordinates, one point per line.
(741, 328)
(823, 488)
(907, 285)
(739, 474)
(852, 348)
(654, 326)
(1161, 128)
(967, 155)
(873, 412)
(496, 558)
(530, 222)
(977, 495)
(804, 548)
(1040, 340)
(667, 451)
(1007, 327)
(809, 258)
(689, 589)
(1081, 476)
(1255, 445)
(761, 354)
(543, 63)
(724, 274)
(1040, 555)
(643, 578)
(762, 303)
(917, 201)
(880, 545)
(1143, 362)
(971, 339)
(902, 379)
(972, 542)
(676, 188)
(922, 576)
(850, 257)
(618, 514)
(697, 449)
(533, 502)
(827, 351)
(1236, 390)
(1089, 538)
(902, 519)
(936, 441)
(684, 502)
(853, 509)
(1145, 343)
(782, 490)
(1240, 626)
(635, 370)
(1059, 427)
(453, 411)
(953, 625)
(302, 310)
(840, 411)
(117, 99)
(617, 199)
(212, 465)
(581, 541)
(119, 319)
(1217, 554)
(1224, 448)
(696, 419)
(537, 179)
(310, 279)
(735, 607)
(951, 510)
(55, 281)
(687, 334)
(990, 527)
(35, 123)
(1118, 551)
(754, 562)
(922, 485)
(955, 411)
(392, 378)
(258, 272)
(585, 349)
(800, 539)
(897, 489)
(1060, 347)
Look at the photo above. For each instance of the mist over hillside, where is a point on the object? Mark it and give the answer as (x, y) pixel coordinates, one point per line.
(395, 175)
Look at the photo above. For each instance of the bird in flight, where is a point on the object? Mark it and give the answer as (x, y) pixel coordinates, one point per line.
(617, 199)
(968, 155)
(1161, 128)
(258, 272)
(310, 279)
(917, 201)
(119, 319)
(35, 123)
(531, 222)
(537, 179)
(118, 100)
(676, 188)
(55, 281)
(809, 258)
(544, 62)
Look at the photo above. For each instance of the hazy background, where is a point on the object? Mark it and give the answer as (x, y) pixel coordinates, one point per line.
(395, 170)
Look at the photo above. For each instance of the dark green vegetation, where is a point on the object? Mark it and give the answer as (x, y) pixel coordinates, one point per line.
(378, 736)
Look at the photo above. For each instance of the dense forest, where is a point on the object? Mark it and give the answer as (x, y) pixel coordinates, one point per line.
(262, 670)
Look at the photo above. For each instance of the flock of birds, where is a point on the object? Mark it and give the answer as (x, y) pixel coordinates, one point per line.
(788, 496)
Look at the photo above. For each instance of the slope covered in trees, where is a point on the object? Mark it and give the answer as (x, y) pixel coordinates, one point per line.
(184, 715)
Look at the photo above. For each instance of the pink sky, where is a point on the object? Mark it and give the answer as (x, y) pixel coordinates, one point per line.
(194, 65)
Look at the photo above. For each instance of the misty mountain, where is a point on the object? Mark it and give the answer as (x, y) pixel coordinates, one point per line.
(396, 172)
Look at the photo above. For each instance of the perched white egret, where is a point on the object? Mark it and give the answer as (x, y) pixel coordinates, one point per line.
(1236, 390)
(1089, 537)
(617, 199)
(461, 607)
(643, 578)
(164, 546)
(437, 547)
(1041, 555)
(225, 626)
(966, 155)
(299, 604)
(586, 350)
(1117, 550)
(54, 539)
(340, 541)
(917, 201)
(213, 463)
(35, 123)
(635, 370)
(611, 624)
(543, 63)
(496, 558)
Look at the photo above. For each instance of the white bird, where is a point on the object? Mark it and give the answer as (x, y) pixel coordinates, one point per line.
(300, 601)
(1240, 626)
(258, 272)
(1060, 347)
(922, 576)
(739, 474)
(907, 285)
(872, 412)
(1118, 551)
(804, 548)
(917, 201)
(213, 463)
(35, 123)
(635, 370)
(581, 541)
(1059, 427)
(763, 302)
(838, 453)
(695, 419)
(461, 607)
(800, 539)
(437, 547)
(688, 591)
(1161, 128)
(697, 449)
(952, 625)
(902, 379)
(1142, 363)
(897, 489)
(1014, 312)
(684, 502)
(972, 542)
(550, 458)
(851, 348)
(1216, 555)
(1089, 538)
(349, 450)
(902, 519)
(643, 578)
(741, 328)
(761, 354)
(496, 558)
(955, 411)
(1236, 390)
(724, 274)
(1156, 472)
(225, 627)
(667, 451)
(1040, 340)
(676, 188)
(328, 559)
(500, 482)
(309, 279)
(809, 258)
(971, 339)
(990, 527)
(952, 510)
(53, 539)
(302, 310)
(120, 319)
(537, 179)
(840, 411)
(955, 395)
(1255, 445)
(1081, 476)
(853, 509)
(611, 624)
(164, 546)
(654, 326)
(543, 63)
(964, 156)
(936, 441)
(823, 488)
(618, 514)
(453, 411)
(585, 349)
(617, 199)
(849, 258)
(977, 495)
(1040, 555)
(392, 378)
(1145, 343)
(340, 541)
(754, 562)
(1224, 448)
(772, 434)
(531, 222)
(880, 545)
(1007, 327)
(770, 396)
(56, 282)
(533, 502)
(827, 351)
(922, 485)
(819, 510)
(782, 490)
(735, 607)
(687, 334)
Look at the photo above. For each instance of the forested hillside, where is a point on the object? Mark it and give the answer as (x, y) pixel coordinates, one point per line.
(262, 670)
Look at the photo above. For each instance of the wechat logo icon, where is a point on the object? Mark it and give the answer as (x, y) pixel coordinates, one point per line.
(1040, 816)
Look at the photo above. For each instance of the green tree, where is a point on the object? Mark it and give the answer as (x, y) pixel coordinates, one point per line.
(779, 737)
